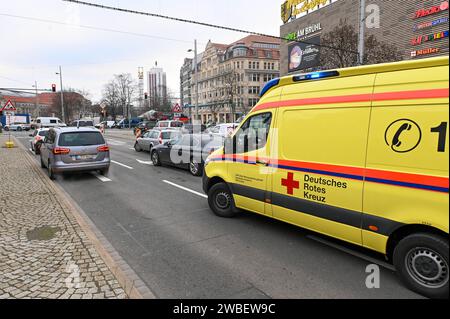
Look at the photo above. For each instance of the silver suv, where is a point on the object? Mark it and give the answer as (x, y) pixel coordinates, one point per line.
(66, 150)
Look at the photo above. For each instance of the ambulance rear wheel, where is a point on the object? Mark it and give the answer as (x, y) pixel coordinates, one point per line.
(220, 200)
(422, 263)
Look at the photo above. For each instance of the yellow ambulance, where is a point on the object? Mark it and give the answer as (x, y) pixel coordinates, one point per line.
(359, 154)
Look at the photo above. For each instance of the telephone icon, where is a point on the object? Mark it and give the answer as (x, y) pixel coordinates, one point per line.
(396, 140)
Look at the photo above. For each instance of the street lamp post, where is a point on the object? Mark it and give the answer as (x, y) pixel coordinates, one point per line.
(196, 78)
(62, 95)
(362, 26)
(38, 108)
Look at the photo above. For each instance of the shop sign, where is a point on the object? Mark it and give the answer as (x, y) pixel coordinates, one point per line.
(430, 24)
(433, 10)
(290, 9)
(430, 37)
(304, 32)
(424, 52)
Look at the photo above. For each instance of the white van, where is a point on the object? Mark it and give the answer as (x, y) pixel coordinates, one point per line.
(43, 122)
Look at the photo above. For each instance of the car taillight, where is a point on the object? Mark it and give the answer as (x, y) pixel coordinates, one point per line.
(61, 151)
(104, 148)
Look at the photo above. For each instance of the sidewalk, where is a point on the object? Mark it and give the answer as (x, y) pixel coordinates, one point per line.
(44, 253)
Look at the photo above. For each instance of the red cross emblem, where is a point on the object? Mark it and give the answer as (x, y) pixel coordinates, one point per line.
(290, 183)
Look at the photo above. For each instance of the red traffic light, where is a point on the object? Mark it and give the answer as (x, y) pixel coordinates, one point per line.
(53, 87)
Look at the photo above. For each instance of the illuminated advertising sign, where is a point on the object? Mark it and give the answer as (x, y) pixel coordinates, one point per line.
(430, 24)
(424, 52)
(304, 55)
(433, 10)
(290, 9)
(304, 32)
(430, 37)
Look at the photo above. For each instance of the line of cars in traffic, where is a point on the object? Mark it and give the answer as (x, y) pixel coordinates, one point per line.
(81, 147)
(182, 145)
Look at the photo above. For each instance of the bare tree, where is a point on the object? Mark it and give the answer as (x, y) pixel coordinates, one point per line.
(345, 38)
(127, 89)
(76, 105)
(111, 98)
(229, 88)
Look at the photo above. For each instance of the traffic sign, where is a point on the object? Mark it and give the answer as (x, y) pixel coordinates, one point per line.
(177, 109)
(9, 107)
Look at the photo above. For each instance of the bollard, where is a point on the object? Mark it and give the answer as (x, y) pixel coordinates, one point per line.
(9, 144)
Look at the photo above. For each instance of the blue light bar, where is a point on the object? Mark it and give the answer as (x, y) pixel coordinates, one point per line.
(315, 76)
(268, 86)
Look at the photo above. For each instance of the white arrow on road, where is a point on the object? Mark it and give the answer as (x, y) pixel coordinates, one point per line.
(145, 163)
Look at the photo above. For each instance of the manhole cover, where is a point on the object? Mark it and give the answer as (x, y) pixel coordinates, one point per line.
(43, 233)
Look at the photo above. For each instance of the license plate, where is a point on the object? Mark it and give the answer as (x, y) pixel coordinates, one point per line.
(83, 157)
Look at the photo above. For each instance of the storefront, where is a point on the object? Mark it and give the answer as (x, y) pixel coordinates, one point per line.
(416, 28)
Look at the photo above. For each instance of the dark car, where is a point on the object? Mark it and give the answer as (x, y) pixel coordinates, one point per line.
(188, 152)
(193, 128)
(125, 123)
(82, 123)
(145, 126)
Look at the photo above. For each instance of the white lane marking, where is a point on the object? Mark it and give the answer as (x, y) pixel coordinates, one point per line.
(102, 178)
(123, 165)
(115, 142)
(353, 253)
(132, 148)
(186, 189)
(145, 163)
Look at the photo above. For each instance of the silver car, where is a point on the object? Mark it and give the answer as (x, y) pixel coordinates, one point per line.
(154, 138)
(66, 150)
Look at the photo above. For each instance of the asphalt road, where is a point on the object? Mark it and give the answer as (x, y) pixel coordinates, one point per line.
(169, 236)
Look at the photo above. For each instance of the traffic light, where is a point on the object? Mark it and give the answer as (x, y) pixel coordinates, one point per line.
(53, 88)
(146, 96)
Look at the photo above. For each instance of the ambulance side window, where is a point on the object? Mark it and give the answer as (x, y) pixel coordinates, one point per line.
(253, 133)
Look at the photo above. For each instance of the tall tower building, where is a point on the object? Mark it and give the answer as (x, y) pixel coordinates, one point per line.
(157, 86)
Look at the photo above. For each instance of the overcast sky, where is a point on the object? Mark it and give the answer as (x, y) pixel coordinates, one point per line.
(31, 50)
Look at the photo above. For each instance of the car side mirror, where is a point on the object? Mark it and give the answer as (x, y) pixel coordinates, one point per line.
(168, 144)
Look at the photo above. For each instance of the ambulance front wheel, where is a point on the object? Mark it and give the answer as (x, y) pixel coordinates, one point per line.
(221, 201)
(422, 263)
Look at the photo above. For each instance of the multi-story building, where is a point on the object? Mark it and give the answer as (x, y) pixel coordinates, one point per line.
(230, 77)
(185, 82)
(157, 86)
(28, 103)
(415, 28)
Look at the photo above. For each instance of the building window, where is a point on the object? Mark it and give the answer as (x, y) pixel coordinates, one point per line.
(253, 90)
(239, 52)
(254, 77)
(252, 102)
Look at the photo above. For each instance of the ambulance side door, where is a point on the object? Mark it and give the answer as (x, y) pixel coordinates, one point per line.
(319, 180)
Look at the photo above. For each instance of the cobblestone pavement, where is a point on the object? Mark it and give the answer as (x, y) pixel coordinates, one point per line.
(44, 253)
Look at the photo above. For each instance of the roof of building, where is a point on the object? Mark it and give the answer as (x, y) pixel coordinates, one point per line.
(251, 39)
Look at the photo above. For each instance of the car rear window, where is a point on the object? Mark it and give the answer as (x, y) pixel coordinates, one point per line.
(81, 139)
(169, 135)
(43, 133)
(176, 124)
